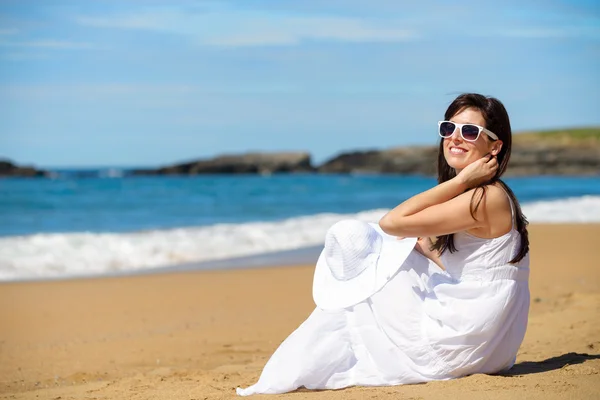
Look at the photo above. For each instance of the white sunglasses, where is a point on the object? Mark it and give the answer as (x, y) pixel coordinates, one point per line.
(469, 132)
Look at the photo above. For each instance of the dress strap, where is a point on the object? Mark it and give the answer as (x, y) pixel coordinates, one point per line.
(512, 208)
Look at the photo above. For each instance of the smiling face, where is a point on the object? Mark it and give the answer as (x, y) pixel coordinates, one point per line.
(458, 152)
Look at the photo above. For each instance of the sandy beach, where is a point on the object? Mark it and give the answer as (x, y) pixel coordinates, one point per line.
(198, 335)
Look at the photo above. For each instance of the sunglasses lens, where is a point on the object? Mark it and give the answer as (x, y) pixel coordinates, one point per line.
(447, 129)
(470, 132)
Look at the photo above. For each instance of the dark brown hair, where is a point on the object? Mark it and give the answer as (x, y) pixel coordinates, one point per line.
(497, 121)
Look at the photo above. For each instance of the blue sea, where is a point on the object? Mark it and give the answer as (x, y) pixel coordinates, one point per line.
(99, 222)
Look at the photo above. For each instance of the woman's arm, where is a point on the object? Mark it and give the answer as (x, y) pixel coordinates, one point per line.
(436, 195)
(444, 209)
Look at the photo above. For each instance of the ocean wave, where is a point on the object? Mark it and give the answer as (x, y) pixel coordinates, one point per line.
(83, 254)
(75, 254)
(584, 209)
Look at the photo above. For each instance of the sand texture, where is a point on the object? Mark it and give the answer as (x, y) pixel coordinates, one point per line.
(198, 335)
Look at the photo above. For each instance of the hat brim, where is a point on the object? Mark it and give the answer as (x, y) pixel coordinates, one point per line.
(330, 293)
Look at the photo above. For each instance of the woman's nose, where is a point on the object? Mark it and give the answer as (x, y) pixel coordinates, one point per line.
(456, 135)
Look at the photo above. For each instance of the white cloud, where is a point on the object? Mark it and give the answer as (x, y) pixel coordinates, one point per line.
(144, 21)
(252, 40)
(225, 27)
(233, 28)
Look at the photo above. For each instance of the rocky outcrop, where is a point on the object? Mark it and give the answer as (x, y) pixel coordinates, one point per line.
(570, 152)
(566, 152)
(407, 160)
(7, 168)
(532, 154)
(540, 160)
(250, 163)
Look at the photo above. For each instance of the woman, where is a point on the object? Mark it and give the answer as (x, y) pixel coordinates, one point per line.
(457, 305)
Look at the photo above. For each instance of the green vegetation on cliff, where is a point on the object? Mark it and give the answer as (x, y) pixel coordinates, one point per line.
(561, 137)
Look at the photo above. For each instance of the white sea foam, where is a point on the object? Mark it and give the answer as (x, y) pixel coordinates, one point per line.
(585, 209)
(73, 254)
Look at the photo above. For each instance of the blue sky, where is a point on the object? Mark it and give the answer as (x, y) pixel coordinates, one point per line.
(145, 83)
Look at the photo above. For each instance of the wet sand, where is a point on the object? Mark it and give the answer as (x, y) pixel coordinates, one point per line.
(198, 335)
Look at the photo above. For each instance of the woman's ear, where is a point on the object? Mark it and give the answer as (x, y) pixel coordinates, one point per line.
(496, 147)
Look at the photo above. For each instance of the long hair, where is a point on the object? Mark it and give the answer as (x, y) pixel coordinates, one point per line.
(497, 121)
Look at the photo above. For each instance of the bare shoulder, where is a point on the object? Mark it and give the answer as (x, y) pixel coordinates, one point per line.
(493, 199)
(494, 209)
(496, 197)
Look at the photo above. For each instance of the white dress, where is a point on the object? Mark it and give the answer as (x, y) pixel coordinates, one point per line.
(424, 324)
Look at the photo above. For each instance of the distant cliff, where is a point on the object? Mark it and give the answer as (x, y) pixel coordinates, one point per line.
(8, 168)
(250, 163)
(402, 160)
(559, 152)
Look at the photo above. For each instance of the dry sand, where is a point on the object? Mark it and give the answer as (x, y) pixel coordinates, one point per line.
(198, 335)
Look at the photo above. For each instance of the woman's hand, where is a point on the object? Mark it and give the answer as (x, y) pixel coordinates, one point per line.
(479, 172)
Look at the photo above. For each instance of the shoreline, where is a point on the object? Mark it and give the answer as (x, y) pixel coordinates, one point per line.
(276, 259)
(306, 255)
(201, 333)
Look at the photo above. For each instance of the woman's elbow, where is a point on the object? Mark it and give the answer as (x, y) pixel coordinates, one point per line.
(396, 226)
(387, 225)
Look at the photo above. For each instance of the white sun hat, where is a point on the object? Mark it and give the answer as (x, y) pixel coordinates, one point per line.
(357, 261)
